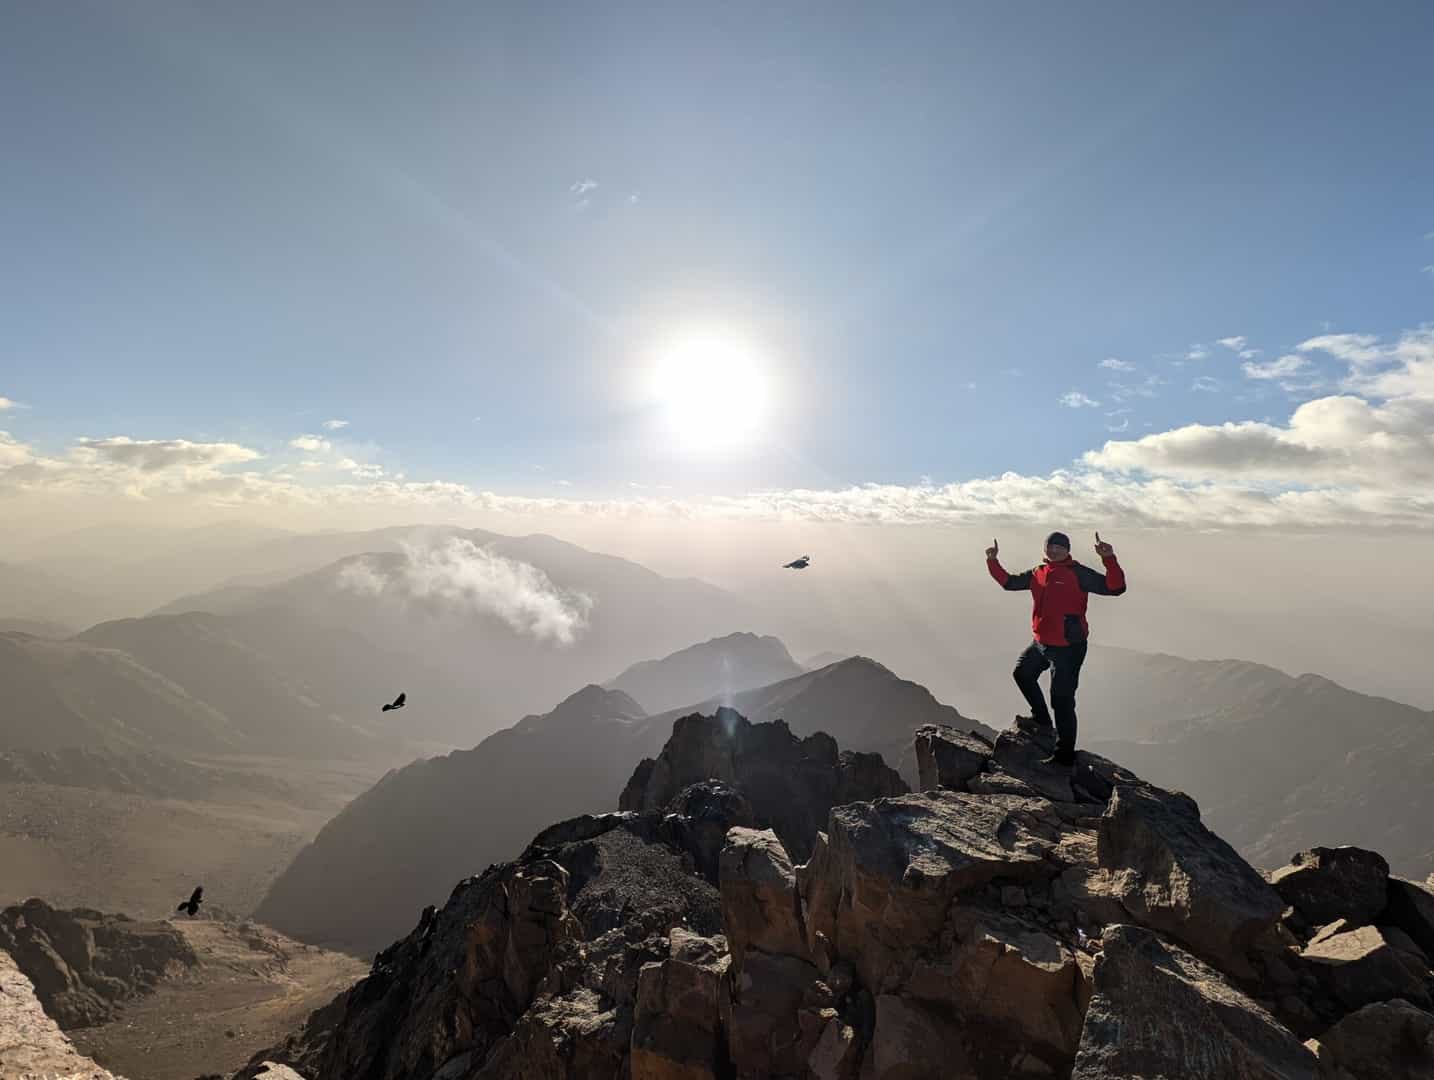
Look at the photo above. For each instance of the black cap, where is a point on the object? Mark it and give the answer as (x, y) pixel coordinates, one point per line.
(1059, 538)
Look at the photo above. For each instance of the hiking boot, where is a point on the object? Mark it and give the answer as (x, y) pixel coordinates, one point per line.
(1033, 726)
(1060, 761)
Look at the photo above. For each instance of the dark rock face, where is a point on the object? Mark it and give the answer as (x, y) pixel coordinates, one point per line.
(1158, 1011)
(790, 783)
(84, 963)
(1389, 1041)
(1324, 884)
(1411, 909)
(1018, 921)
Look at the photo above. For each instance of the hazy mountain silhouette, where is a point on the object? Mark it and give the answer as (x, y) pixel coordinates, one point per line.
(1288, 762)
(72, 693)
(403, 843)
(286, 683)
(712, 669)
(27, 593)
(822, 659)
(557, 615)
(40, 628)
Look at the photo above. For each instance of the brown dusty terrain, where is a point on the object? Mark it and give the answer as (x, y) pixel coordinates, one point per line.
(138, 855)
(252, 987)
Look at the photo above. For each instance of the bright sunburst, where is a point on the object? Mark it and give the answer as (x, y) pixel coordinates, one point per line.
(712, 389)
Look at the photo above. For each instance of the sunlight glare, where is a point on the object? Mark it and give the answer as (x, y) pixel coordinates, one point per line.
(712, 390)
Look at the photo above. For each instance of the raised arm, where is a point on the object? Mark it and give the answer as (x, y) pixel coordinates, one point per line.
(1110, 583)
(1009, 582)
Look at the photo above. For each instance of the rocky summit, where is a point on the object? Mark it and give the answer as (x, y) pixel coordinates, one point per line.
(764, 906)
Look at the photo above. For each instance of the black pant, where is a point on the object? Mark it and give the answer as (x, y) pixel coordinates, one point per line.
(1064, 662)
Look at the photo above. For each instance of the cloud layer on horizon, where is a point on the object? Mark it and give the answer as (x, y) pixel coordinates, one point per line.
(1364, 456)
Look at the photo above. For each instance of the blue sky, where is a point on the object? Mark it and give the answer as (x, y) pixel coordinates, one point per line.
(227, 224)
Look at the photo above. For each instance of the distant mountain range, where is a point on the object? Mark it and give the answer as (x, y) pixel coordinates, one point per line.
(403, 843)
(712, 670)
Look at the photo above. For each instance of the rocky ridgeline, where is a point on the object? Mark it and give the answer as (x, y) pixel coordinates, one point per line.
(32, 1046)
(83, 963)
(1008, 920)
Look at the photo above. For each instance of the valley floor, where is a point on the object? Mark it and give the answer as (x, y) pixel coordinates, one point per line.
(251, 988)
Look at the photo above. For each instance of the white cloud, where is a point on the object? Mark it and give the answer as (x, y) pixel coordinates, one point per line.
(1206, 385)
(633, 199)
(359, 469)
(1122, 426)
(314, 444)
(157, 455)
(459, 577)
(1197, 352)
(1356, 349)
(9, 403)
(1280, 368)
(582, 187)
(1146, 388)
(1113, 364)
(335, 425)
(1234, 344)
(1249, 354)
(1074, 399)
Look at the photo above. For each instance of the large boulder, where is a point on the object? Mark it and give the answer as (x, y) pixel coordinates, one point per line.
(1391, 1040)
(572, 1036)
(1172, 874)
(760, 906)
(790, 783)
(1370, 964)
(1159, 1012)
(891, 868)
(913, 1040)
(1324, 884)
(677, 1032)
(1411, 908)
(775, 1012)
(947, 757)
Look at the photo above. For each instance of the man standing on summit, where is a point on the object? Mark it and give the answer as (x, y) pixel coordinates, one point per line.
(1059, 588)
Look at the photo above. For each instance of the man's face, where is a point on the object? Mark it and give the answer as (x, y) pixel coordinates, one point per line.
(1055, 553)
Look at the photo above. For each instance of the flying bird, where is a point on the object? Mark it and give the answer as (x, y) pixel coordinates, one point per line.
(192, 904)
(396, 703)
(798, 564)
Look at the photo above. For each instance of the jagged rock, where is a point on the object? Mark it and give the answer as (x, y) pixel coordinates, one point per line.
(791, 783)
(677, 1032)
(1174, 875)
(1370, 964)
(837, 1055)
(767, 1033)
(760, 905)
(1411, 908)
(890, 869)
(32, 1046)
(269, 1070)
(1329, 930)
(1159, 1012)
(698, 819)
(84, 963)
(570, 1037)
(915, 1040)
(1324, 884)
(947, 757)
(1390, 1040)
(1017, 755)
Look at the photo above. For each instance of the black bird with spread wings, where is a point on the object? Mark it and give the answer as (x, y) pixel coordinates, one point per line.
(397, 703)
(192, 904)
(798, 564)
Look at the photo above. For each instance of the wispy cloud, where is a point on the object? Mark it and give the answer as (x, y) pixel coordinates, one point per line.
(1234, 344)
(460, 577)
(1074, 399)
(1124, 425)
(335, 425)
(1146, 388)
(1197, 352)
(1279, 368)
(9, 403)
(582, 187)
(1206, 385)
(312, 443)
(1112, 364)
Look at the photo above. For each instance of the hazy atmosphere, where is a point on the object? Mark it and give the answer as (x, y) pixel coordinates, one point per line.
(570, 370)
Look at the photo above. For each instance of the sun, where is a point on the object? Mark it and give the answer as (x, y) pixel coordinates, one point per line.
(712, 390)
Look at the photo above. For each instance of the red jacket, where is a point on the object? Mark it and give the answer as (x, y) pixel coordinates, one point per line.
(1059, 592)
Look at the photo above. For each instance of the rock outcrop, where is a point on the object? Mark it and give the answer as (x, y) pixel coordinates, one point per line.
(791, 783)
(32, 1046)
(83, 963)
(1012, 920)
